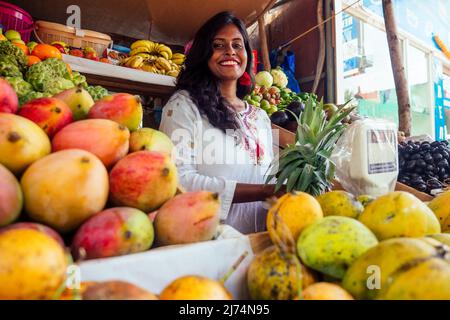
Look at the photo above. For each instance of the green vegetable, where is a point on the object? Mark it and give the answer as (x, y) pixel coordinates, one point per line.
(78, 78)
(57, 85)
(20, 86)
(7, 48)
(97, 92)
(9, 66)
(49, 76)
(31, 96)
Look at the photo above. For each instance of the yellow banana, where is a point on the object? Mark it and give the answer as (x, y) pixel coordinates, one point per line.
(173, 73)
(163, 64)
(143, 43)
(164, 51)
(138, 50)
(135, 62)
(178, 58)
(149, 67)
(145, 56)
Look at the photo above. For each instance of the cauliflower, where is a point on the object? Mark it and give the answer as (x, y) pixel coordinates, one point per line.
(264, 79)
(279, 78)
(9, 66)
(20, 86)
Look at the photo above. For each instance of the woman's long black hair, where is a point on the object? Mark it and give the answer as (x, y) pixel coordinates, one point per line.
(199, 81)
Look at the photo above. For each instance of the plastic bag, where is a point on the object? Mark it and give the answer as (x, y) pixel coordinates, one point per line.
(286, 60)
(366, 157)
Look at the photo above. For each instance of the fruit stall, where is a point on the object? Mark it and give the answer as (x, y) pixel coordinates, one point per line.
(90, 202)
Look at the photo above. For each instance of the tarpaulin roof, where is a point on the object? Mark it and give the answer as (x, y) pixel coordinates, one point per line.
(171, 21)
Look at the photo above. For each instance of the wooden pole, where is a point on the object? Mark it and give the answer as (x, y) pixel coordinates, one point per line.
(401, 84)
(263, 42)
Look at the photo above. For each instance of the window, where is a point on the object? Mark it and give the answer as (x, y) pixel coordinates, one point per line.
(417, 68)
(367, 71)
(368, 79)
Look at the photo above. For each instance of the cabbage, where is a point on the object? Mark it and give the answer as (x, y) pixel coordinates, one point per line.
(264, 79)
(279, 78)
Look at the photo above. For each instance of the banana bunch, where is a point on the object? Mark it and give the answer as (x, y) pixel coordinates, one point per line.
(154, 57)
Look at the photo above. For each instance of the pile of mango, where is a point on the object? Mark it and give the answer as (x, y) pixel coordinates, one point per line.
(339, 247)
(80, 180)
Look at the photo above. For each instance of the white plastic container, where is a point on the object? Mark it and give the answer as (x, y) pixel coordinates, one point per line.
(366, 157)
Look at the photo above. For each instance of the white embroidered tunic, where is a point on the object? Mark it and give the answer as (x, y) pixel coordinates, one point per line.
(209, 159)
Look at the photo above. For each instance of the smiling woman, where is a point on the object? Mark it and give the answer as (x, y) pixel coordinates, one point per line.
(223, 145)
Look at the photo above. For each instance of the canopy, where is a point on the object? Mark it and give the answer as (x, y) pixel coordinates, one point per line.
(169, 21)
(177, 21)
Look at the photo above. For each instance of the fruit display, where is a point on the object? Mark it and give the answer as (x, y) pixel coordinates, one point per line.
(154, 57)
(271, 95)
(424, 165)
(39, 72)
(353, 260)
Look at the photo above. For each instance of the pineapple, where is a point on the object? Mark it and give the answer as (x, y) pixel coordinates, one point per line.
(306, 165)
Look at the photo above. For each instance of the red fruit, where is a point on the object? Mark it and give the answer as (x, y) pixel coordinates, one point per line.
(50, 114)
(91, 55)
(9, 103)
(59, 47)
(123, 108)
(114, 232)
(36, 226)
(76, 53)
(106, 139)
(143, 180)
(105, 60)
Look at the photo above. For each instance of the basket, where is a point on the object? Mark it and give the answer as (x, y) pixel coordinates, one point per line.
(15, 18)
(48, 32)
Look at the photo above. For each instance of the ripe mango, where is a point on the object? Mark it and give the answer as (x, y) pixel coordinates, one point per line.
(144, 180)
(195, 288)
(114, 232)
(123, 108)
(298, 210)
(385, 258)
(150, 140)
(22, 142)
(32, 265)
(427, 279)
(333, 243)
(274, 275)
(106, 139)
(325, 291)
(65, 188)
(340, 203)
(50, 114)
(441, 208)
(11, 197)
(116, 290)
(399, 214)
(187, 218)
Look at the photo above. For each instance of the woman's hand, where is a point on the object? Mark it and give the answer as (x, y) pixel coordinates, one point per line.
(255, 192)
